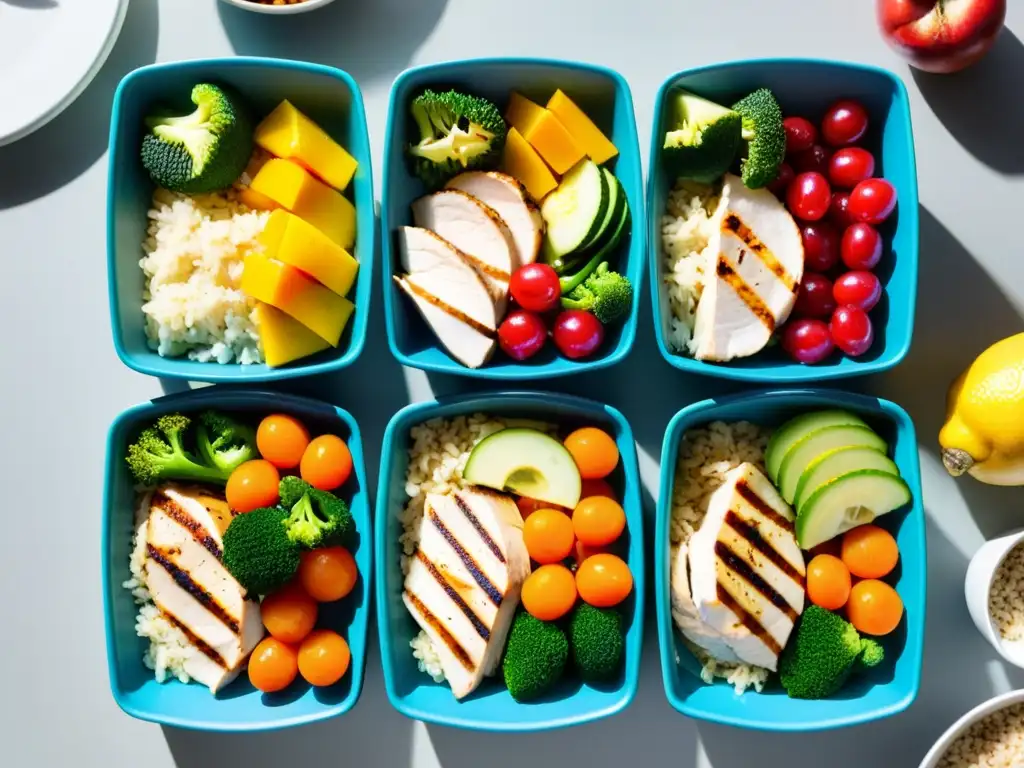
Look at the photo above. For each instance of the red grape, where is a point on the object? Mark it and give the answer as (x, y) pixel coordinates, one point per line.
(838, 211)
(872, 201)
(861, 247)
(577, 333)
(851, 330)
(814, 159)
(807, 340)
(800, 134)
(814, 297)
(522, 334)
(808, 197)
(782, 181)
(821, 246)
(844, 124)
(850, 166)
(857, 289)
(535, 287)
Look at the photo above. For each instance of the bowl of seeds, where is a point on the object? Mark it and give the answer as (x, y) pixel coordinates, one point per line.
(994, 589)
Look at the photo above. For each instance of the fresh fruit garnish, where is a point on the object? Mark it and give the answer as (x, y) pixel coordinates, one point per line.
(594, 451)
(253, 485)
(874, 607)
(870, 552)
(598, 521)
(549, 592)
(828, 582)
(604, 580)
(326, 463)
(548, 535)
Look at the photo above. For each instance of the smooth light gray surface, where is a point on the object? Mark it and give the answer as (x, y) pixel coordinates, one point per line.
(63, 383)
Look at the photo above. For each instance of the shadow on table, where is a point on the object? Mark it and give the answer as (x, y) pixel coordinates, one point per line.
(68, 145)
(369, 40)
(978, 108)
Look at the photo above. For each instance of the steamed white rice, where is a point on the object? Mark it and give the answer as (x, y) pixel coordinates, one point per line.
(996, 741)
(705, 456)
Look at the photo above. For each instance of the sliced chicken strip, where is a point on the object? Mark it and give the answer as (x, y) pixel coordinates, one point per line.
(507, 196)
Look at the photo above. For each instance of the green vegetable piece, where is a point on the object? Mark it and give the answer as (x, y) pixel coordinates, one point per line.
(203, 151)
(705, 139)
(225, 442)
(535, 657)
(598, 642)
(457, 132)
(160, 454)
(316, 518)
(606, 294)
(765, 136)
(872, 654)
(258, 552)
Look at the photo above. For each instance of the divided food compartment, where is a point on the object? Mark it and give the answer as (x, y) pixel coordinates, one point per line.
(605, 97)
(329, 97)
(491, 707)
(239, 707)
(874, 695)
(806, 88)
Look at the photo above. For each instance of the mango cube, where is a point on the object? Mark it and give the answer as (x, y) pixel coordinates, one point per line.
(289, 134)
(284, 339)
(522, 162)
(292, 187)
(546, 134)
(281, 285)
(522, 113)
(582, 129)
(256, 200)
(294, 241)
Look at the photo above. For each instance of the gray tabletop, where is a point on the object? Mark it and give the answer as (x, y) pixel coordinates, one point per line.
(63, 383)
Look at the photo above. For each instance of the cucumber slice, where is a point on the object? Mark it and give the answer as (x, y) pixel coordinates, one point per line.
(847, 502)
(837, 463)
(621, 228)
(814, 445)
(575, 211)
(796, 429)
(616, 196)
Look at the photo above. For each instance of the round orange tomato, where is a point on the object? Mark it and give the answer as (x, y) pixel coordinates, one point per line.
(324, 657)
(598, 521)
(828, 582)
(281, 440)
(328, 574)
(604, 580)
(326, 463)
(289, 614)
(549, 592)
(594, 451)
(870, 552)
(548, 536)
(252, 485)
(272, 665)
(874, 607)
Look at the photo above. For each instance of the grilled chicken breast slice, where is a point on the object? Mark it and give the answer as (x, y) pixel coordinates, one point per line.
(507, 196)
(477, 231)
(747, 572)
(465, 579)
(751, 286)
(688, 619)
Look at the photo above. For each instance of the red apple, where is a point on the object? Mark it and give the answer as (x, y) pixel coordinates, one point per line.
(941, 36)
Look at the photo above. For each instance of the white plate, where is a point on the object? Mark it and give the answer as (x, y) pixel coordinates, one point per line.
(50, 50)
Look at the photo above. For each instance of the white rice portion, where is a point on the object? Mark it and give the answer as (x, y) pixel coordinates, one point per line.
(437, 457)
(168, 648)
(1006, 603)
(687, 227)
(996, 741)
(705, 456)
(192, 301)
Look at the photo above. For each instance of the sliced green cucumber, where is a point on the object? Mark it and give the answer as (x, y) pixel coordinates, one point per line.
(814, 445)
(575, 211)
(796, 429)
(837, 463)
(616, 196)
(847, 502)
(570, 282)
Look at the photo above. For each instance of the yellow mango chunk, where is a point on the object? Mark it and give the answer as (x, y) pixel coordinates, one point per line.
(281, 285)
(552, 141)
(292, 187)
(289, 134)
(522, 113)
(284, 339)
(255, 200)
(582, 129)
(294, 241)
(522, 162)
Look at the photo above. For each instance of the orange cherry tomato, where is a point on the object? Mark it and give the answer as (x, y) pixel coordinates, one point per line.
(594, 451)
(252, 485)
(604, 580)
(870, 552)
(324, 657)
(281, 440)
(597, 487)
(598, 521)
(874, 607)
(328, 574)
(828, 582)
(548, 535)
(549, 592)
(327, 463)
(528, 506)
(289, 614)
(272, 665)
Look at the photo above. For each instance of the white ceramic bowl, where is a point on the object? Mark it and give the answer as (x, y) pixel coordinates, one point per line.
(986, 708)
(280, 10)
(981, 573)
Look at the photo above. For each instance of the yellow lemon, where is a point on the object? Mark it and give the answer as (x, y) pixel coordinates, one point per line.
(984, 429)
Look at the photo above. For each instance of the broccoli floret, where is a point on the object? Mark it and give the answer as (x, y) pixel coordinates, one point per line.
(705, 139)
(457, 132)
(159, 454)
(598, 642)
(608, 295)
(823, 653)
(316, 518)
(202, 151)
(224, 442)
(258, 552)
(765, 136)
(535, 657)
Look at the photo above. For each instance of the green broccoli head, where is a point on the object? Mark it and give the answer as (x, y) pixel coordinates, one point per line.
(203, 151)
(316, 518)
(457, 132)
(598, 642)
(765, 136)
(606, 294)
(224, 442)
(704, 140)
(871, 653)
(821, 654)
(258, 552)
(535, 657)
(159, 453)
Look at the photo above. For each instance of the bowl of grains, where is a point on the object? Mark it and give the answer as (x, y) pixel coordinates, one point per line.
(280, 7)
(994, 589)
(989, 736)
